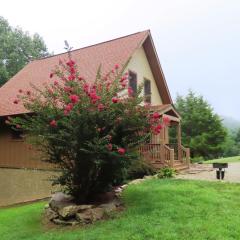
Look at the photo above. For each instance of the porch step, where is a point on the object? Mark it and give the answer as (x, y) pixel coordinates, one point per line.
(178, 165)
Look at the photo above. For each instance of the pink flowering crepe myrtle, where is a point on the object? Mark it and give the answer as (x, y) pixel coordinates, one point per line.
(71, 89)
(75, 121)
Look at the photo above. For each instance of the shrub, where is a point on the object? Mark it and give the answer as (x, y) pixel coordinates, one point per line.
(140, 168)
(85, 128)
(166, 172)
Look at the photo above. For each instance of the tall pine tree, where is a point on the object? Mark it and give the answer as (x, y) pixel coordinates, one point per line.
(202, 129)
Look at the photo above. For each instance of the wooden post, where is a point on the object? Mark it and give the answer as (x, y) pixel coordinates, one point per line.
(188, 156)
(162, 155)
(172, 158)
(179, 142)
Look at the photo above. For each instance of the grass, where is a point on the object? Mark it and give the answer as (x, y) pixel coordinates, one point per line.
(156, 209)
(224, 160)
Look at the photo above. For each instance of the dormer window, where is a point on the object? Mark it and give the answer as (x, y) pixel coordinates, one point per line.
(132, 82)
(147, 91)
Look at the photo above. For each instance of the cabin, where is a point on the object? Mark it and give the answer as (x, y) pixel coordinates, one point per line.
(23, 177)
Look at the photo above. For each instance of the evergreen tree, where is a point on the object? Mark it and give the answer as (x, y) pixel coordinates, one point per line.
(237, 137)
(202, 129)
(231, 145)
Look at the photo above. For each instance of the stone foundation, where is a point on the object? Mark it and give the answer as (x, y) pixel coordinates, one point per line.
(23, 185)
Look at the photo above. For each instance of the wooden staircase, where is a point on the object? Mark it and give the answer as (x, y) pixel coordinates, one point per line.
(178, 165)
(161, 155)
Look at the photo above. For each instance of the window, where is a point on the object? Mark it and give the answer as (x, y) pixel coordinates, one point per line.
(133, 82)
(147, 91)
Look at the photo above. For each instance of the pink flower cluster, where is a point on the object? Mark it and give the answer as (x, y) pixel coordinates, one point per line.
(156, 124)
(94, 97)
(120, 150)
(74, 98)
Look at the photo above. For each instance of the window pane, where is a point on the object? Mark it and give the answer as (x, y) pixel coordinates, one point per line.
(147, 91)
(133, 82)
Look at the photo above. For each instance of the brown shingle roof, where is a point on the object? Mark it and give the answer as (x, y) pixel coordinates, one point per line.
(88, 59)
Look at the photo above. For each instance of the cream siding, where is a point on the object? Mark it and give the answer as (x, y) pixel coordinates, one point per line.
(139, 64)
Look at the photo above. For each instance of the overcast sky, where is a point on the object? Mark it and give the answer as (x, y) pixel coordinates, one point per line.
(198, 41)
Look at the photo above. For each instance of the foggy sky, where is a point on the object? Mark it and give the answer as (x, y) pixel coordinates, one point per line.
(198, 42)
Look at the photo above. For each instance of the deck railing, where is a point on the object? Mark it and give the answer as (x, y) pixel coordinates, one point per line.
(168, 155)
(164, 154)
(151, 152)
(157, 153)
(185, 155)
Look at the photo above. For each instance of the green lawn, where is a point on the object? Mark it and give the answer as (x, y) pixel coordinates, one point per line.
(156, 209)
(225, 160)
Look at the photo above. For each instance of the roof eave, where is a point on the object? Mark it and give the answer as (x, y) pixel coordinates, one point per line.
(156, 68)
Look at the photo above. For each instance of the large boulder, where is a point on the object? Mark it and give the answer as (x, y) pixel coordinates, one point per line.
(60, 200)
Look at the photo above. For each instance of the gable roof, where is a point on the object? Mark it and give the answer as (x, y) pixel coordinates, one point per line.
(88, 60)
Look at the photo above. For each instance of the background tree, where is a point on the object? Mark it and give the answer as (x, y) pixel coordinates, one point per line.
(237, 136)
(232, 144)
(202, 129)
(17, 48)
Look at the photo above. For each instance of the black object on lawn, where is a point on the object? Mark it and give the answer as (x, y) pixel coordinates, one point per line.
(220, 173)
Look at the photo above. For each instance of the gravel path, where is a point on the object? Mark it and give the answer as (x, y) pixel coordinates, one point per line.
(206, 172)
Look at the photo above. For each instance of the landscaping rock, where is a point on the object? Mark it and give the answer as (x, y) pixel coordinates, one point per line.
(68, 211)
(97, 213)
(85, 216)
(71, 210)
(60, 200)
(136, 181)
(84, 207)
(117, 189)
(50, 214)
(63, 211)
(65, 222)
(108, 207)
(148, 177)
(61, 197)
(117, 202)
(124, 186)
(90, 215)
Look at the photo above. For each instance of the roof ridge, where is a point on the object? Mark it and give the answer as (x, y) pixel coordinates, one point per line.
(114, 39)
